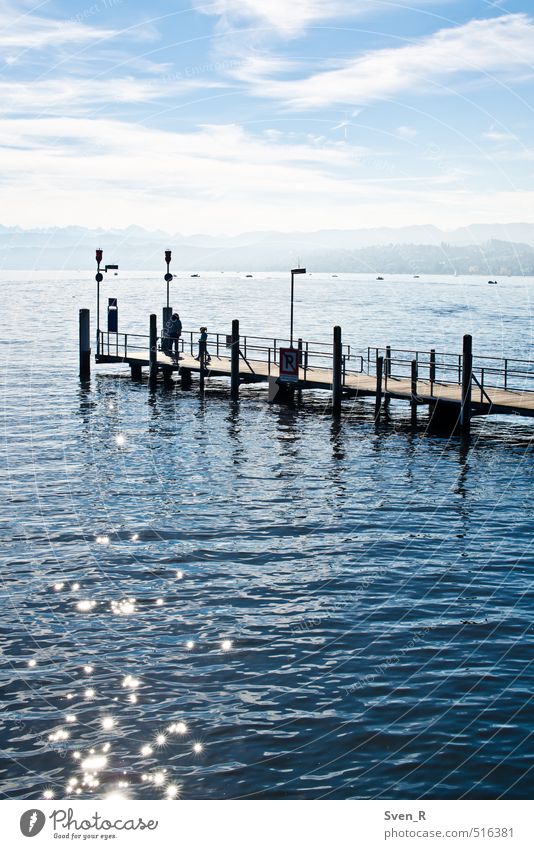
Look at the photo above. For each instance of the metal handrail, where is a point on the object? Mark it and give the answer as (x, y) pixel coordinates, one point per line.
(450, 367)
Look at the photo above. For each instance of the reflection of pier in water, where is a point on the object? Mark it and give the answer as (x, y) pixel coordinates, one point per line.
(454, 387)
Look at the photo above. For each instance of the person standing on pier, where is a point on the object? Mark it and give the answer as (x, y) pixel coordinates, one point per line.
(203, 346)
(174, 331)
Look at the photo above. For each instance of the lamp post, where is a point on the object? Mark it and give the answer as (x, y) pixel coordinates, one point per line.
(293, 272)
(98, 277)
(168, 276)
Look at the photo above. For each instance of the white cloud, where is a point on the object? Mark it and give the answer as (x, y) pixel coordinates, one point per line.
(499, 135)
(80, 95)
(485, 47)
(32, 32)
(407, 133)
(109, 173)
(290, 17)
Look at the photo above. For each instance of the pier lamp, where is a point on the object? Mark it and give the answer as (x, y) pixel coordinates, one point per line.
(99, 277)
(168, 276)
(293, 272)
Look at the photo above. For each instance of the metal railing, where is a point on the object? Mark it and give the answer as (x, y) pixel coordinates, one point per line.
(252, 349)
(488, 372)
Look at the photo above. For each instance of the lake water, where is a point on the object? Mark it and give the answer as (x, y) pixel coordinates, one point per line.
(253, 601)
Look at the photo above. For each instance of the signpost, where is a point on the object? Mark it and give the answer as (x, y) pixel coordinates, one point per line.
(289, 364)
(293, 272)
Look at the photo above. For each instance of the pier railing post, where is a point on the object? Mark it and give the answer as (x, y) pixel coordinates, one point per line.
(202, 364)
(234, 371)
(85, 343)
(413, 395)
(467, 376)
(379, 373)
(337, 371)
(387, 369)
(153, 352)
(432, 370)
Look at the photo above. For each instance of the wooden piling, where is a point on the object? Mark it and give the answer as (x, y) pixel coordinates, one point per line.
(202, 372)
(166, 315)
(432, 370)
(153, 353)
(467, 376)
(337, 371)
(136, 371)
(379, 373)
(234, 373)
(387, 369)
(413, 395)
(185, 378)
(85, 343)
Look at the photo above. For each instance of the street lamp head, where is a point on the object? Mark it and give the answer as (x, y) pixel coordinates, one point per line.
(298, 271)
(99, 254)
(168, 256)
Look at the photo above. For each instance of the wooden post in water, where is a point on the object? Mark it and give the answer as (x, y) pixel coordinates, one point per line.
(202, 363)
(432, 370)
(337, 371)
(413, 399)
(234, 378)
(185, 378)
(136, 371)
(379, 372)
(467, 376)
(387, 370)
(85, 343)
(153, 352)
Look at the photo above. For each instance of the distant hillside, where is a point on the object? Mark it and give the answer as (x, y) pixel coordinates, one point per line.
(406, 250)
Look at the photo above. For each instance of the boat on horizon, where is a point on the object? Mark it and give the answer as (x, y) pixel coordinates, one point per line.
(195, 275)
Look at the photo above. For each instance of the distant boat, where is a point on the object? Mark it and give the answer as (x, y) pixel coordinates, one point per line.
(334, 275)
(248, 275)
(492, 282)
(416, 277)
(195, 275)
(379, 278)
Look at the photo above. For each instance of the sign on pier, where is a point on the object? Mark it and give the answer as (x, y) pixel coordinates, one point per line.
(289, 363)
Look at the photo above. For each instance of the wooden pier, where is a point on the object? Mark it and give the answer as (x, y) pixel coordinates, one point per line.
(454, 387)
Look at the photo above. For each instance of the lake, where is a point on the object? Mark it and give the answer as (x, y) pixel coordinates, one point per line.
(206, 599)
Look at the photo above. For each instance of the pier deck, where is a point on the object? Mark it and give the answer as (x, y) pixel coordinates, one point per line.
(484, 400)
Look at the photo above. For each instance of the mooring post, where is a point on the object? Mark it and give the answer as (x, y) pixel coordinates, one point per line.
(185, 378)
(467, 376)
(85, 343)
(165, 340)
(379, 372)
(202, 363)
(413, 397)
(432, 370)
(337, 370)
(153, 353)
(136, 371)
(234, 378)
(387, 370)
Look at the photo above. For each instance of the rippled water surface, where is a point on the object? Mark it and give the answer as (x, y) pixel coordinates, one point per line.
(241, 600)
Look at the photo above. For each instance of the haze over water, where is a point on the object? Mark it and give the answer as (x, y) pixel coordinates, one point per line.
(203, 599)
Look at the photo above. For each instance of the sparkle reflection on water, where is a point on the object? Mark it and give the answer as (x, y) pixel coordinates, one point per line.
(206, 599)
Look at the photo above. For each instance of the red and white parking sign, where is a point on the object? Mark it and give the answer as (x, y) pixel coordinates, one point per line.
(289, 363)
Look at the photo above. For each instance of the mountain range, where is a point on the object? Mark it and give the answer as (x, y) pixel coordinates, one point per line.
(480, 248)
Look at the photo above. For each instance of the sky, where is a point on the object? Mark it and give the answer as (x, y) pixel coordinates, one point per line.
(250, 115)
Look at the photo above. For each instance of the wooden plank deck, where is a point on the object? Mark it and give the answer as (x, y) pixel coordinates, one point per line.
(503, 401)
